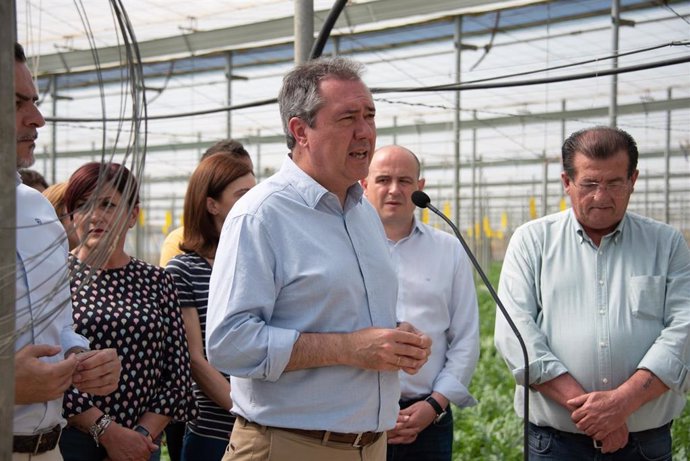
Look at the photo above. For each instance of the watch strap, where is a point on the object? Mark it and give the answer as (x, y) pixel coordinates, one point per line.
(143, 431)
(436, 406)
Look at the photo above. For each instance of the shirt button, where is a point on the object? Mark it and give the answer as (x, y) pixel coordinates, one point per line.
(605, 380)
(601, 282)
(602, 312)
(602, 344)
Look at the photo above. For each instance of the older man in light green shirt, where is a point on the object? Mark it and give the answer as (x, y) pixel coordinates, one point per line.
(602, 299)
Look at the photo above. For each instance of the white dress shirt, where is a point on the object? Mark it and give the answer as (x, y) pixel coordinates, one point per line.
(43, 304)
(436, 294)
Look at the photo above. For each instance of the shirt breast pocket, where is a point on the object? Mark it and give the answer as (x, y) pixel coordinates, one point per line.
(647, 296)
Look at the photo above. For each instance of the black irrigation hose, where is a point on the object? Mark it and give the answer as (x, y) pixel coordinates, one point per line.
(458, 87)
(325, 32)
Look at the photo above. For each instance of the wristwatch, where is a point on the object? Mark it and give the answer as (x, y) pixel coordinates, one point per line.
(440, 412)
(143, 431)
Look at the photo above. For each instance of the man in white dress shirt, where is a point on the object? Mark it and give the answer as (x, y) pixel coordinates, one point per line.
(49, 355)
(436, 293)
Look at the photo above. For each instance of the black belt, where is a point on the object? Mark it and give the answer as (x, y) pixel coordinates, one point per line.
(37, 443)
(360, 440)
(587, 440)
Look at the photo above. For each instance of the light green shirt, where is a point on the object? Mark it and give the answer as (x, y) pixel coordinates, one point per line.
(598, 313)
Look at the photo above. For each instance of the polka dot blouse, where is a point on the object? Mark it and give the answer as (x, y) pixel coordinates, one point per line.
(133, 309)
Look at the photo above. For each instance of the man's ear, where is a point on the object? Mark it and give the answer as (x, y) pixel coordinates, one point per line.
(634, 176)
(420, 183)
(567, 183)
(363, 182)
(298, 130)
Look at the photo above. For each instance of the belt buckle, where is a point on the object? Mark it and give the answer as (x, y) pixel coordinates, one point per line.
(356, 443)
(598, 444)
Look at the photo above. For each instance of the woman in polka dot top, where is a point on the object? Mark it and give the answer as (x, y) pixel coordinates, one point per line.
(122, 302)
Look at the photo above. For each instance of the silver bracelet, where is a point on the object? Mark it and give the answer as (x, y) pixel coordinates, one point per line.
(99, 427)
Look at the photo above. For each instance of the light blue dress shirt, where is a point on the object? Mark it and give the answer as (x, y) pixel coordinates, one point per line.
(43, 303)
(436, 294)
(598, 313)
(291, 260)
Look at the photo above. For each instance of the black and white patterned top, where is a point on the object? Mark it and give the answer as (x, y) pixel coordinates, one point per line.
(192, 273)
(133, 309)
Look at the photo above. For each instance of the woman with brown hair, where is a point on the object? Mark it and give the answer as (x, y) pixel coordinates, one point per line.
(121, 302)
(214, 187)
(56, 196)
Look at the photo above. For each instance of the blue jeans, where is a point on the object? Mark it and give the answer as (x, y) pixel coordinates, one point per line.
(435, 443)
(75, 445)
(548, 444)
(201, 448)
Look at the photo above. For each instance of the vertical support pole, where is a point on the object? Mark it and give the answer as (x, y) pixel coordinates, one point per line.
(647, 210)
(395, 130)
(53, 128)
(615, 22)
(667, 161)
(545, 185)
(259, 173)
(228, 76)
(8, 210)
(457, 39)
(473, 203)
(304, 29)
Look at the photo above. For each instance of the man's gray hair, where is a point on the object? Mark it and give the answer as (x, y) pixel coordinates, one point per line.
(299, 96)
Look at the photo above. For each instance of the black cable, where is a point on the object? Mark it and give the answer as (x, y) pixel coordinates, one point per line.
(453, 87)
(538, 81)
(325, 32)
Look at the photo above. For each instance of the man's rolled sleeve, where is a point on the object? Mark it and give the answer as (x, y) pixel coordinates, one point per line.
(239, 338)
(454, 390)
(669, 356)
(518, 292)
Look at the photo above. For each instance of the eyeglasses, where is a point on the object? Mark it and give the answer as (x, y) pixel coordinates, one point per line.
(614, 188)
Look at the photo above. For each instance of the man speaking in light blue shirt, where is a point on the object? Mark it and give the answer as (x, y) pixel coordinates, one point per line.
(602, 299)
(302, 295)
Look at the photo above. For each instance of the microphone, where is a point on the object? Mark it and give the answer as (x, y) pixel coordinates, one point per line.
(422, 200)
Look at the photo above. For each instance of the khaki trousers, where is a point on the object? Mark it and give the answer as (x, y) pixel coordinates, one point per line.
(252, 443)
(52, 455)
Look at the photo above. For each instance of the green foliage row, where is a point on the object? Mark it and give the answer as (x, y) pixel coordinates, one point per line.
(491, 430)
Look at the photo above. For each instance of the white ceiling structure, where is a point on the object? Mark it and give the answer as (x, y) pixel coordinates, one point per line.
(507, 132)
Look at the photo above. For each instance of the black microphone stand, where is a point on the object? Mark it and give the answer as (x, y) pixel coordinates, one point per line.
(422, 200)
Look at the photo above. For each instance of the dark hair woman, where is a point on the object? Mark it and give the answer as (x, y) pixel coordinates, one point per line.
(122, 302)
(214, 187)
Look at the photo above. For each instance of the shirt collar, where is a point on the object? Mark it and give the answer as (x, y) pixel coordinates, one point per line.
(19, 179)
(615, 235)
(311, 191)
(417, 228)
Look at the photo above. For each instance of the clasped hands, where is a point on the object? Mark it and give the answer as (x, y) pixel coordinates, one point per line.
(94, 372)
(601, 415)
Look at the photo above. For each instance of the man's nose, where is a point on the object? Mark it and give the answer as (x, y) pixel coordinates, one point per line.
(364, 128)
(35, 117)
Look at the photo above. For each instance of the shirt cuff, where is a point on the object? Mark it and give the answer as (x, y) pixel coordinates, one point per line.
(280, 344)
(540, 371)
(454, 391)
(672, 371)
